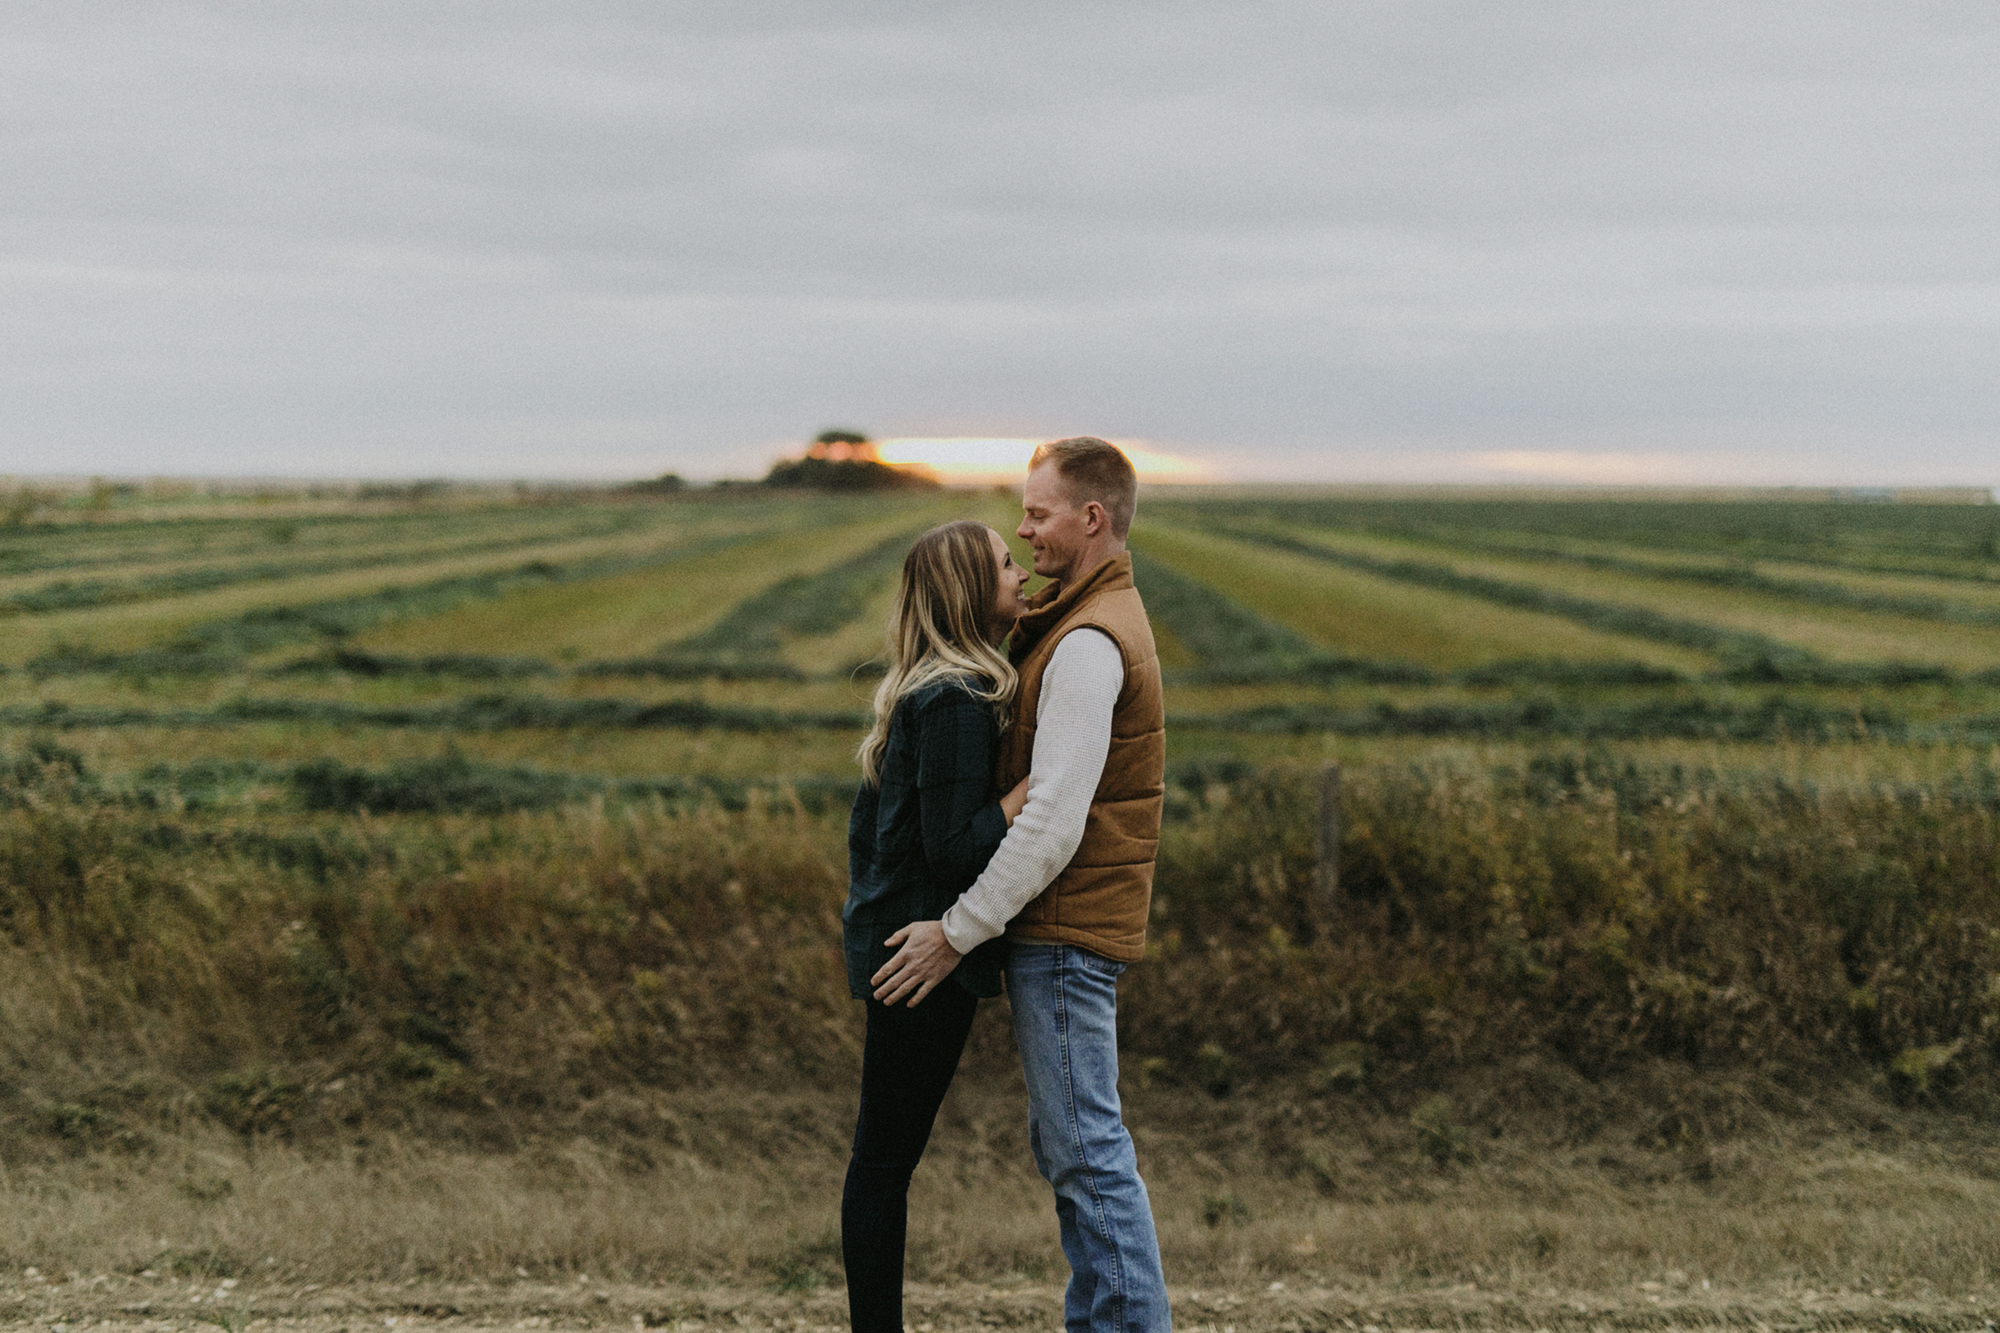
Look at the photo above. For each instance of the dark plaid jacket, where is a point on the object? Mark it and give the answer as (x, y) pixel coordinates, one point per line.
(919, 838)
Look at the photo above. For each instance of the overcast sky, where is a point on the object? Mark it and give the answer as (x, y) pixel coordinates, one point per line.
(1747, 241)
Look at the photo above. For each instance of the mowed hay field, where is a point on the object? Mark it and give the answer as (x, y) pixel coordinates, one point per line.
(443, 887)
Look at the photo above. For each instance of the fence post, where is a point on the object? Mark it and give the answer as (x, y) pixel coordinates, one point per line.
(1326, 841)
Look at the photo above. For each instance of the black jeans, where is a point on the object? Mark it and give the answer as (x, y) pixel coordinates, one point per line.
(906, 1066)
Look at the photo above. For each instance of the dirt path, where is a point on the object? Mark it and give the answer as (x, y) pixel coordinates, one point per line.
(168, 1303)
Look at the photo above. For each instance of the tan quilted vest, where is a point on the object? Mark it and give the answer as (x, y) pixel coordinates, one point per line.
(1100, 901)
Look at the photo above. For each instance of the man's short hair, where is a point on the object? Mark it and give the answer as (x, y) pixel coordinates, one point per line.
(1094, 469)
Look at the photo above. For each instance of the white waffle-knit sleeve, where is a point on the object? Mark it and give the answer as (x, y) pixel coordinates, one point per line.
(1080, 690)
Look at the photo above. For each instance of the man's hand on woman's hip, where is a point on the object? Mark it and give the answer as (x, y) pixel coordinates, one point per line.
(925, 958)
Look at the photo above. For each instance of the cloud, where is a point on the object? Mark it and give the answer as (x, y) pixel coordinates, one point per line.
(1298, 239)
(1600, 469)
(1006, 461)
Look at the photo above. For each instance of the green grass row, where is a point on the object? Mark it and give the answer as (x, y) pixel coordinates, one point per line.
(1234, 645)
(1316, 667)
(1735, 576)
(483, 712)
(1775, 717)
(79, 594)
(747, 643)
(1676, 714)
(447, 784)
(1943, 540)
(1748, 657)
(358, 662)
(221, 646)
(74, 548)
(40, 768)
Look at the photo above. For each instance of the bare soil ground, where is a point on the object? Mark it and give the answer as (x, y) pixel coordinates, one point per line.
(170, 1303)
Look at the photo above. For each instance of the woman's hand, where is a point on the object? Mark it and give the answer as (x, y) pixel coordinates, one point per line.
(1012, 803)
(925, 958)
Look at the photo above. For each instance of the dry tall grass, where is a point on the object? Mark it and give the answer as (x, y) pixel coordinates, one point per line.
(738, 1185)
(1590, 913)
(1577, 1023)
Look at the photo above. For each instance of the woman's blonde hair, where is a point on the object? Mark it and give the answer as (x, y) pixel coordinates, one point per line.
(938, 630)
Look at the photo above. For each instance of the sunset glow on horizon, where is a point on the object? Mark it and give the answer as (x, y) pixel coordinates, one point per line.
(969, 459)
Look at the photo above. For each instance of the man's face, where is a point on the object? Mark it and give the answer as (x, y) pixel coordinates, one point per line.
(1051, 525)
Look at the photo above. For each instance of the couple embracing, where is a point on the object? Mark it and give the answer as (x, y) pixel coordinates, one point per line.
(954, 891)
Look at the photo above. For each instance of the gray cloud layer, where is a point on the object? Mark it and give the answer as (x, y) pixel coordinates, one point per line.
(1752, 240)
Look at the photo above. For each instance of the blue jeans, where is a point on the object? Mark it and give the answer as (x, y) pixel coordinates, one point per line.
(1065, 1002)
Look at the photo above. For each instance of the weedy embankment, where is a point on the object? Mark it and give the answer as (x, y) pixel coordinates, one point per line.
(1576, 1022)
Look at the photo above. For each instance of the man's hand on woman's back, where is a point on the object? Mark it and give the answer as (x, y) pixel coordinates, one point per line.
(1014, 802)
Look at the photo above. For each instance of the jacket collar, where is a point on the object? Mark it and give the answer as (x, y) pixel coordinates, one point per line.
(1053, 604)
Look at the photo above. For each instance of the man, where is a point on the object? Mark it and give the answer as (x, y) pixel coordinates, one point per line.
(1072, 882)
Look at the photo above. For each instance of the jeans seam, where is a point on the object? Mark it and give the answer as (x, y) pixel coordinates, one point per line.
(1115, 1276)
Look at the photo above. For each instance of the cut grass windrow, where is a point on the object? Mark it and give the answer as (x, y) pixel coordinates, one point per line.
(1749, 657)
(72, 549)
(375, 666)
(1949, 541)
(445, 784)
(1234, 645)
(1775, 718)
(1738, 577)
(1683, 716)
(1352, 613)
(222, 645)
(75, 595)
(455, 784)
(491, 712)
(747, 643)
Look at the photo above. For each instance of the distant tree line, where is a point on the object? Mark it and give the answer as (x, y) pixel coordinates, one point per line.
(845, 460)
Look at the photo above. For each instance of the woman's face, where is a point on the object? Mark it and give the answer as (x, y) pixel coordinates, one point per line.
(1009, 603)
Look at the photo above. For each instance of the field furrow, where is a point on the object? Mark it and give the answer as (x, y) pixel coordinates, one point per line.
(1735, 622)
(1231, 644)
(224, 645)
(1367, 615)
(156, 545)
(1915, 596)
(1682, 714)
(644, 613)
(720, 637)
(195, 617)
(735, 755)
(752, 640)
(1945, 541)
(858, 643)
(166, 579)
(1980, 597)
(491, 712)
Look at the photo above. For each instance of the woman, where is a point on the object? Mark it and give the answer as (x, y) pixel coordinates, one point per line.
(924, 825)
